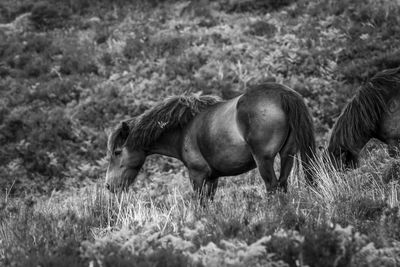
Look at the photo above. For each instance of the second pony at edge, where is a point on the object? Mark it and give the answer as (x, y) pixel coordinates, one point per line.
(215, 138)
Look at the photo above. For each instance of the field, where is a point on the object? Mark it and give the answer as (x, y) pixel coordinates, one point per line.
(71, 70)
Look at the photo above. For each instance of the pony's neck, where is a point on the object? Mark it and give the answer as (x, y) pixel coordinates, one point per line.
(169, 144)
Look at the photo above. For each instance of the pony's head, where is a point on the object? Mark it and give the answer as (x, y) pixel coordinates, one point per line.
(124, 162)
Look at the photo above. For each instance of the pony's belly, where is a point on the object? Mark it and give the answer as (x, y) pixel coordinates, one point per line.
(233, 161)
(222, 143)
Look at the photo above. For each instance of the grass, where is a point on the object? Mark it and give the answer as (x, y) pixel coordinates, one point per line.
(243, 225)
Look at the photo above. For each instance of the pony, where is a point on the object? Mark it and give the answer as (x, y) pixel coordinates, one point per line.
(215, 138)
(374, 112)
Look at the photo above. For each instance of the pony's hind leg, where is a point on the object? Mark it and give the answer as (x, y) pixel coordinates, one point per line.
(287, 160)
(287, 154)
(265, 165)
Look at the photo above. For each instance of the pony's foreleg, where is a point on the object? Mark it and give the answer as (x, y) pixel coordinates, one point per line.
(211, 187)
(200, 186)
(265, 165)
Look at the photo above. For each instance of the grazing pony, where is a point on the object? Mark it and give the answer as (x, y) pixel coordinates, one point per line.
(374, 112)
(216, 138)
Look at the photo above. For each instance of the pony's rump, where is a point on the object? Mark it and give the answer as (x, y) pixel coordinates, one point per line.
(298, 116)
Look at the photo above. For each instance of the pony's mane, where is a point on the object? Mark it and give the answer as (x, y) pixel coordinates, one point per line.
(360, 118)
(174, 112)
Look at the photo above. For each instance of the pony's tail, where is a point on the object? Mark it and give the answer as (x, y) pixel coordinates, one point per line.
(301, 125)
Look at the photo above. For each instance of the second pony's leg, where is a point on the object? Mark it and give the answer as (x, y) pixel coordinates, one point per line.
(287, 154)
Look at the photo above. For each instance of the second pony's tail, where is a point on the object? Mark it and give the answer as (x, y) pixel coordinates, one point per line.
(301, 125)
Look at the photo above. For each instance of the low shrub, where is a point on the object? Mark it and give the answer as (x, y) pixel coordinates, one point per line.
(159, 258)
(83, 7)
(98, 110)
(39, 43)
(10, 9)
(390, 223)
(169, 45)
(185, 65)
(255, 5)
(74, 64)
(325, 247)
(45, 15)
(47, 134)
(29, 55)
(199, 9)
(37, 66)
(136, 48)
(78, 58)
(356, 209)
(362, 68)
(262, 28)
(286, 246)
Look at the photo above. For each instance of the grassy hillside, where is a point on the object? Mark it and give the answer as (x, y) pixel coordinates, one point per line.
(72, 69)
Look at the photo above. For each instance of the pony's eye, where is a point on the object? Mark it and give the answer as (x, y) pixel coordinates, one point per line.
(117, 152)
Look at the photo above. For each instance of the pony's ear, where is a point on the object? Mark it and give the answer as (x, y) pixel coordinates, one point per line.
(124, 130)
